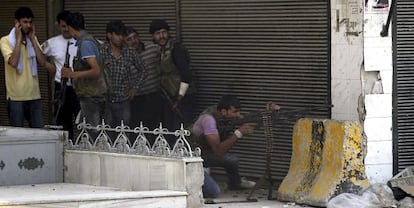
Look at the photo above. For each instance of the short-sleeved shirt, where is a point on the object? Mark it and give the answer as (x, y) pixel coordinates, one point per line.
(55, 48)
(89, 47)
(88, 50)
(205, 125)
(19, 86)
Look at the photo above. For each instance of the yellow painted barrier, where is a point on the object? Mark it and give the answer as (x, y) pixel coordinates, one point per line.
(327, 159)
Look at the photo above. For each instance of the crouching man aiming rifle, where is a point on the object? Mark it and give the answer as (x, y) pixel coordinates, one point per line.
(215, 143)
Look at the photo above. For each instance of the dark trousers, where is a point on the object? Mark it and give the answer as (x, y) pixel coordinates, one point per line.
(68, 111)
(172, 120)
(230, 163)
(146, 108)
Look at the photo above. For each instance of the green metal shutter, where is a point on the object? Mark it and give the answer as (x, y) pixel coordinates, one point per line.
(403, 89)
(266, 50)
(39, 9)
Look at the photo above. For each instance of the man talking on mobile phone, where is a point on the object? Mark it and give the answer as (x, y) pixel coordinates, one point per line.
(22, 54)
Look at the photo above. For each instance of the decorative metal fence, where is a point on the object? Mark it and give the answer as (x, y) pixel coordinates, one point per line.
(98, 138)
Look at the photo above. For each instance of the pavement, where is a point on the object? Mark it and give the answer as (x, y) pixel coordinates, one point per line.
(233, 199)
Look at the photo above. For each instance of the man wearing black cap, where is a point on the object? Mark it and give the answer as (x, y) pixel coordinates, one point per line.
(175, 76)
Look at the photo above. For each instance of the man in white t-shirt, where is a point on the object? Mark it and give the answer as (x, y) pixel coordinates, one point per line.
(61, 49)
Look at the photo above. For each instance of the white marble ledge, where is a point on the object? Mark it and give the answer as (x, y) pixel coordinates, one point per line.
(66, 192)
(13, 134)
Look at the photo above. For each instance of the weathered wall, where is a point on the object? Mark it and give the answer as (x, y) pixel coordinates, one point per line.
(361, 67)
(346, 58)
(378, 95)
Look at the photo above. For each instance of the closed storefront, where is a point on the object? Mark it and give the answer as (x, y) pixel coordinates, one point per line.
(133, 13)
(403, 81)
(261, 51)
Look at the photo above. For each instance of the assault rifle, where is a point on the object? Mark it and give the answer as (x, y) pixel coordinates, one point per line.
(227, 126)
(171, 102)
(63, 81)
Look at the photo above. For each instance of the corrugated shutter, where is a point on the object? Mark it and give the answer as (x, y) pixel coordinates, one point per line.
(403, 95)
(135, 13)
(266, 50)
(39, 9)
(258, 50)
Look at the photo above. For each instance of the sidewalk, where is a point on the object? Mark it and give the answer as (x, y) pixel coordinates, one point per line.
(233, 199)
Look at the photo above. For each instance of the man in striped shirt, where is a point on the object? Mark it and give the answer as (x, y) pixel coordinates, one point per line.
(146, 104)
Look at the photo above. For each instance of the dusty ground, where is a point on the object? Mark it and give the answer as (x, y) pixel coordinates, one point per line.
(233, 199)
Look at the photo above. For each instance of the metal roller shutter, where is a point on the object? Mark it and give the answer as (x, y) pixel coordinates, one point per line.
(260, 50)
(403, 90)
(137, 14)
(39, 9)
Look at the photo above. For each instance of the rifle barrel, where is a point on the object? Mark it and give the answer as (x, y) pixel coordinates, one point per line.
(63, 82)
(256, 117)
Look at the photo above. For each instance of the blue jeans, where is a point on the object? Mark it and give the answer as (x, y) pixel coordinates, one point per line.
(119, 111)
(31, 110)
(93, 109)
(210, 188)
(230, 163)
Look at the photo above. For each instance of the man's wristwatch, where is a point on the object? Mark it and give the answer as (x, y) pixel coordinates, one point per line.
(238, 134)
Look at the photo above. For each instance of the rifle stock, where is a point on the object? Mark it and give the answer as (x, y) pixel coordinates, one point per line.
(171, 102)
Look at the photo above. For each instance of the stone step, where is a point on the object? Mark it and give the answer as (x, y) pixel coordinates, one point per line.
(79, 195)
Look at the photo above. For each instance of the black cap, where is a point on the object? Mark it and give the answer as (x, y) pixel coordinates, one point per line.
(158, 24)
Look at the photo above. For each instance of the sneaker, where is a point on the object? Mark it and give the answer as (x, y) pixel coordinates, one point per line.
(246, 184)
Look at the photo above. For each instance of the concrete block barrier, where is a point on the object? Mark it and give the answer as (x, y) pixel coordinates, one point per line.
(327, 160)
